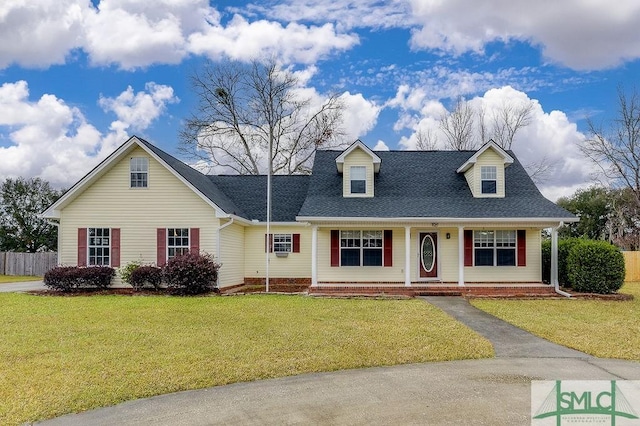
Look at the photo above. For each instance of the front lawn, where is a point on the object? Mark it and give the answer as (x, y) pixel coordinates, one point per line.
(17, 278)
(606, 329)
(69, 354)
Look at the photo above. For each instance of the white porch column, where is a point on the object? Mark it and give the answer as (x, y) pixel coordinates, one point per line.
(554, 258)
(314, 256)
(407, 256)
(461, 256)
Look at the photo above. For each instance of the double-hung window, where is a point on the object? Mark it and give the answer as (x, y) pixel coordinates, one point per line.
(495, 248)
(489, 179)
(282, 243)
(99, 246)
(361, 248)
(358, 177)
(139, 172)
(177, 242)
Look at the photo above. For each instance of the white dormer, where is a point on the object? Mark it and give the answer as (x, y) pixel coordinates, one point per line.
(358, 164)
(484, 171)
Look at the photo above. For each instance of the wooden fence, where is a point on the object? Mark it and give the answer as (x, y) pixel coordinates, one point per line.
(27, 263)
(632, 265)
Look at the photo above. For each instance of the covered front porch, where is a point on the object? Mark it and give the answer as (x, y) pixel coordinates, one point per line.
(480, 257)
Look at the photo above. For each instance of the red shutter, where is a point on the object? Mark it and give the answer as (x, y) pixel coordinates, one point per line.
(522, 247)
(82, 246)
(268, 242)
(161, 246)
(388, 247)
(194, 240)
(115, 247)
(335, 247)
(468, 247)
(296, 243)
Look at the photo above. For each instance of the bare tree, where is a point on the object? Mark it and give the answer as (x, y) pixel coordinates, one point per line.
(508, 120)
(457, 126)
(426, 140)
(243, 109)
(615, 149)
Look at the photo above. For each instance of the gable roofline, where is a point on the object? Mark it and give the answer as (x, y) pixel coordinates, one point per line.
(53, 211)
(474, 158)
(358, 144)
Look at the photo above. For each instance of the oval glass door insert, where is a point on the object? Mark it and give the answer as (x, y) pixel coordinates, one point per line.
(428, 250)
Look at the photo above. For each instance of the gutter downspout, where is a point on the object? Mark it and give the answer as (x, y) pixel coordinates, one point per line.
(220, 228)
(554, 261)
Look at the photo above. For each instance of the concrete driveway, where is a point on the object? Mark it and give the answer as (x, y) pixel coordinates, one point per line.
(481, 392)
(22, 286)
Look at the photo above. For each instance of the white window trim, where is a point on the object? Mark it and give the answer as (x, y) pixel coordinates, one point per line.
(131, 172)
(283, 243)
(362, 248)
(484, 179)
(495, 248)
(351, 179)
(89, 247)
(188, 246)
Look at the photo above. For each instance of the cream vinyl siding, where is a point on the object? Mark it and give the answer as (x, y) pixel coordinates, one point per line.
(295, 265)
(357, 157)
(354, 274)
(512, 274)
(487, 158)
(231, 255)
(138, 212)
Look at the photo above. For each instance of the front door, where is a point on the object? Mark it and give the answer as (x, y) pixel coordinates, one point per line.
(428, 255)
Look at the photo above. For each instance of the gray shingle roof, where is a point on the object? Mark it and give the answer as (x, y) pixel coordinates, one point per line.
(250, 192)
(423, 184)
(411, 184)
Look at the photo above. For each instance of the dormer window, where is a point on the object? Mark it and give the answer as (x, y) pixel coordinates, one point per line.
(358, 176)
(489, 179)
(139, 172)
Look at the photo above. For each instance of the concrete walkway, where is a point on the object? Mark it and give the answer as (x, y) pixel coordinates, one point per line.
(508, 341)
(22, 286)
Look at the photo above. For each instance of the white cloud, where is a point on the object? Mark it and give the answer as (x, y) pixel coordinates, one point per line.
(140, 109)
(579, 34)
(381, 146)
(135, 33)
(47, 138)
(360, 115)
(346, 14)
(38, 34)
(551, 138)
(245, 40)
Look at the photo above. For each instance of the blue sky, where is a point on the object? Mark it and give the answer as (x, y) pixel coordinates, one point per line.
(78, 77)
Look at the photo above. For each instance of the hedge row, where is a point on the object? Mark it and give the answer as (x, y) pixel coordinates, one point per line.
(586, 265)
(69, 278)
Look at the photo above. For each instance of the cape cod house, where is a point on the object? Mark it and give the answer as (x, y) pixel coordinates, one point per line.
(363, 220)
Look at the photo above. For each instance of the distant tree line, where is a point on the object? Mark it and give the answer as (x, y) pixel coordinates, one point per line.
(21, 227)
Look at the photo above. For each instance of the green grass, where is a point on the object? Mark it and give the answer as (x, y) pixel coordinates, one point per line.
(606, 329)
(17, 278)
(69, 354)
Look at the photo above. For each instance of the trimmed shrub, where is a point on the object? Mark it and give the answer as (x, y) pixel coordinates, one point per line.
(146, 275)
(62, 278)
(595, 267)
(126, 270)
(97, 276)
(191, 273)
(69, 278)
(564, 248)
